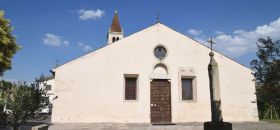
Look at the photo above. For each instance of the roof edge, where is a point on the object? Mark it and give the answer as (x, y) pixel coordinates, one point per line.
(106, 45)
(207, 47)
(145, 29)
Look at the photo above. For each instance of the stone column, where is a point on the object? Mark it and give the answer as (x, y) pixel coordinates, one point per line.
(215, 96)
(215, 89)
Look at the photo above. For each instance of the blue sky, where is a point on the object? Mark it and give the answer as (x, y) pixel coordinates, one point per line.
(63, 29)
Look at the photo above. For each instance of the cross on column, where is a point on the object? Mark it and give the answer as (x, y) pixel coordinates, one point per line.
(210, 41)
(57, 63)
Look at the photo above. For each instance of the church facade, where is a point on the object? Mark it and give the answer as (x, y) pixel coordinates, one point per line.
(155, 75)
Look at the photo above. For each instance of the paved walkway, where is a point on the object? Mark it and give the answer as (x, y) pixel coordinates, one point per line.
(181, 126)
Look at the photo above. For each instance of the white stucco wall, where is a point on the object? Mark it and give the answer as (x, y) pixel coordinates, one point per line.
(49, 93)
(91, 88)
(115, 35)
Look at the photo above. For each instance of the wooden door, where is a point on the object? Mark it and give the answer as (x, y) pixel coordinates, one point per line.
(160, 101)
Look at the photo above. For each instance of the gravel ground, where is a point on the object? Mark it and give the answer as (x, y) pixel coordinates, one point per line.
(181, 126)
(115, 126)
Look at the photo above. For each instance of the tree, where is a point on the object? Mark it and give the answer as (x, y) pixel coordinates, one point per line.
(23, 102)
(267, 74)
(8, 45)
(4, 86)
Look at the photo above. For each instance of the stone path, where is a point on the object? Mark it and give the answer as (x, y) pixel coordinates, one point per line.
(181, 126)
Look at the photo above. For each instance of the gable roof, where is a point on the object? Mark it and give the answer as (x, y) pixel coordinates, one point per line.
(106, 45)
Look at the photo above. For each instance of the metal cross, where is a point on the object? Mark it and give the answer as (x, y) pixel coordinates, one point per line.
(157, 17)
(210, 41)
(57, 63)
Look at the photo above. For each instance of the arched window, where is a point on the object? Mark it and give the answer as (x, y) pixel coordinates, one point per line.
(114, 39)
(117, 39)
(160, 69)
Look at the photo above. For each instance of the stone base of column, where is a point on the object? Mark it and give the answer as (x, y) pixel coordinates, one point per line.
(217, 126)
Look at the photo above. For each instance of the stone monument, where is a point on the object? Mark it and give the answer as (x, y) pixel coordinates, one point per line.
(216, 122)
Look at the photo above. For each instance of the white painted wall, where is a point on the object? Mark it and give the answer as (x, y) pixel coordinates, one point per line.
(115, 35)
(50, 93)
(91, 88)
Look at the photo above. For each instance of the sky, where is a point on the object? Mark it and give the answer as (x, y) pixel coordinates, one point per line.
(62, 30)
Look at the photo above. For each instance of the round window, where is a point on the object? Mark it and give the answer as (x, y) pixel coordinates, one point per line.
(160, 52)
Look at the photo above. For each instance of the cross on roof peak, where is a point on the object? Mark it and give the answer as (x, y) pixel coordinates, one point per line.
(157, 17)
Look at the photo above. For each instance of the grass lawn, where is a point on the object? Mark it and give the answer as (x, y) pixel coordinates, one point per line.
(272, 121)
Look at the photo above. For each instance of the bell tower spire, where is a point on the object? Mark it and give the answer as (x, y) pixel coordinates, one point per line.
(115, 31)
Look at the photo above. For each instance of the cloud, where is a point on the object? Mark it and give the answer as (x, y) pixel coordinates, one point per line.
(54, 40)
(219, 32)
(80, 44)
(66, 43)
(194, 32)
(85, 47)
(241, 42)
(90, 14)
(51, 39)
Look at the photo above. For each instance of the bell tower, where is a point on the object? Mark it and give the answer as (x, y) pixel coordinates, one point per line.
(115, 31)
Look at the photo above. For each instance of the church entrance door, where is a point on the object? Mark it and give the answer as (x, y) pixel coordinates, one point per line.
(160, 101)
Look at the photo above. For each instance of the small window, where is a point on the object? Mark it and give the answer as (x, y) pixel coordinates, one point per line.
(187, 89)
(117, 39)
(48, 87)
(130, 88)
(113, 39)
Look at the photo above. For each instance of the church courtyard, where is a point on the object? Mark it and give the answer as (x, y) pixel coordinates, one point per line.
(180, 126)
